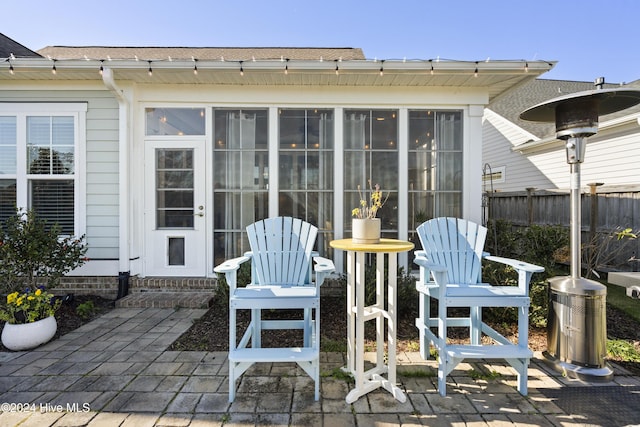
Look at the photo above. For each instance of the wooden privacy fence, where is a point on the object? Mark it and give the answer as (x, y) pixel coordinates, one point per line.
(604, 211)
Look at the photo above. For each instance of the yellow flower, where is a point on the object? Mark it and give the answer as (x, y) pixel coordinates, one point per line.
(19, 301)
(38, 292)
(376, 202)
(12, 297)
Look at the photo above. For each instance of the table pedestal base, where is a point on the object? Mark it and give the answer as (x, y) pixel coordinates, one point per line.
(376, 381)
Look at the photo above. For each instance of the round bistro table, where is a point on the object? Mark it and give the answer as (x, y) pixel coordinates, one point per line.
(358, 314)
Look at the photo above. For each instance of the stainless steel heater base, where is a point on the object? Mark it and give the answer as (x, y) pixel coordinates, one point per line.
(577, 329)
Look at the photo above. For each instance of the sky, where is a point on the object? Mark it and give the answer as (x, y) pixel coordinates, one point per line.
(587, 38)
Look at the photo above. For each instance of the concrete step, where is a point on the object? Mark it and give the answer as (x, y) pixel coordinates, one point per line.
(186, 299)
(624, 278)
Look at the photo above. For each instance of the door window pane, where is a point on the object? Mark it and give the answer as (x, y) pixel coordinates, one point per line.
(174, 188)
(175, 121)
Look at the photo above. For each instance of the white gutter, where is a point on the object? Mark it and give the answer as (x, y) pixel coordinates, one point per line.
(354, 65)
(123, 169)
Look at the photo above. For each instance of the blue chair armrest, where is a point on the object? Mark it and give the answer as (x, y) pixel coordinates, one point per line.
(518, 265)
(323, 267)
(422, 261)
(230, 269)
(231, 265)
(524, 269)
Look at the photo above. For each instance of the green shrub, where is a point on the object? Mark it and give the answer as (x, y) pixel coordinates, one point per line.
(535, 244)
(243, 278)
(86, 309)
(622, 350)
(32, 252)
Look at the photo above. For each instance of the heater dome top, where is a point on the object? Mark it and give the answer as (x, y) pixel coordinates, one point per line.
(607, 101)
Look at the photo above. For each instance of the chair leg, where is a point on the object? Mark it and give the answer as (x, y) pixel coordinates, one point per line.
(232, 346)
(308, 327)
(442, 373)
(443, 362)
(316, 378)
(232, 382)
(523, 377)
(523, 327)
(475, 331)
(523, 341)
(256, 334)
(423, 319)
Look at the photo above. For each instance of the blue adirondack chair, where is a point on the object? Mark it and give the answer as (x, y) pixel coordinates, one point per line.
(450, 272)
(282, 267)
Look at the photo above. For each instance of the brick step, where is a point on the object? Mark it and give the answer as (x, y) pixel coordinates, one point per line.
(172, 284)
(187, 299)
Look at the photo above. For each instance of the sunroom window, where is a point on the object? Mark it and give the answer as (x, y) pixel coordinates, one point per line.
(240, 177)
(370, 158)
(306, 156)
(174, 121)
(435, 165)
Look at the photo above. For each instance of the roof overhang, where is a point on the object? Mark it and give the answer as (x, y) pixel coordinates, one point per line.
(494, 77)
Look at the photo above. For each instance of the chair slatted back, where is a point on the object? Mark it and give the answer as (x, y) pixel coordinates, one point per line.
(457, 244)
(282, 248)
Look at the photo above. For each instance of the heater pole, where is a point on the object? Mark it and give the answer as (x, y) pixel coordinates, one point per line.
(576, 215)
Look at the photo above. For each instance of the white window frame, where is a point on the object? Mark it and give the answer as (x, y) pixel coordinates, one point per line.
(77, 110)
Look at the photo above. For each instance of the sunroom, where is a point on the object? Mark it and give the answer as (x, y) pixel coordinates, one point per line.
(175, 150)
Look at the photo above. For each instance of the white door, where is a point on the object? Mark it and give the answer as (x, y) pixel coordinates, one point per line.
(175, 211)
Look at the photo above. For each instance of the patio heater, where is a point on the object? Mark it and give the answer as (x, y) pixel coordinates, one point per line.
(576, 327)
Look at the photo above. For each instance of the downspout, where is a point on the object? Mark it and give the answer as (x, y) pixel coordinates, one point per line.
(124, 106)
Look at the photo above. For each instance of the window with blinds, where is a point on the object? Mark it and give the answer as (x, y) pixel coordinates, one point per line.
(8, 144)
(38, 162)
(50, 153)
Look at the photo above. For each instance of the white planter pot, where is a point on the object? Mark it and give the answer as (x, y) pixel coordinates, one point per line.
(365, 231)
(28, 335)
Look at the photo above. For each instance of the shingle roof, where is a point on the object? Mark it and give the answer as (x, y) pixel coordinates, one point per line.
(10, 47)
(202, 53)
(540, 90)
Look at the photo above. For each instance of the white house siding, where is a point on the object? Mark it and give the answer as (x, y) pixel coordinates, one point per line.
(499, 136)
(101, 155)
(611, 157)
(102, 176)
